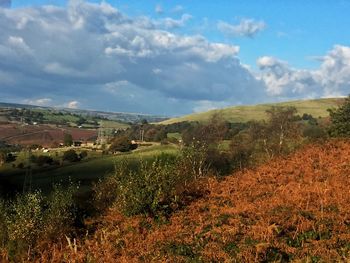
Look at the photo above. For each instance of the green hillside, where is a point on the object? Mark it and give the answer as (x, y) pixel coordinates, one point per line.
(317, 108)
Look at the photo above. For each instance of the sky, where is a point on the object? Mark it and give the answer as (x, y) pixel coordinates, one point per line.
(172, 57)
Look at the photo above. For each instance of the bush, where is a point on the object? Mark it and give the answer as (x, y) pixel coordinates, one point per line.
(83, 154)
(241, 148)
(43, 159)
(313, 132)
(31, 217)
(20, 166)
(340, 118)
(59, 214)
(68, 139)
(148, 190)
(153, 187)
(105, 190)
(3, 226)
(70, 156)
(24, 219)
(122, 144)
(219, 162)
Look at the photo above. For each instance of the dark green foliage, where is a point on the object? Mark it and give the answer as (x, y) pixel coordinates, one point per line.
(219, 162)
(180, 249)
(241, 148)
(153, 188)
(276, 136)
(122, 144)
(83, 154)
(10, 158)
(32, 217)
(210, 133)
(68, 139)
(43, 159)
(232, 249)
(340, 119)
(70, 156)
(60, 211)
(315, 132)
(148, 190)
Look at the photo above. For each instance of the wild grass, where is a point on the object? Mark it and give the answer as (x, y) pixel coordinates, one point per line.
(317, 108)
(293, 208)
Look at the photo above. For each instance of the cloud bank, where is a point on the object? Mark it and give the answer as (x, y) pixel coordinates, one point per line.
(93, 56)
(246, 28)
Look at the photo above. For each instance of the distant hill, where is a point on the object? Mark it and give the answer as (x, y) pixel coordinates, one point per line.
(317, 108)
(116, 116)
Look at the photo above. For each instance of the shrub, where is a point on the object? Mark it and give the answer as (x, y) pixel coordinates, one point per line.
(148, 190)
(43, 159)
(24, 219)
(68, 139)
(31, 218)
(59, 214)
(154, 187)
(105, 190)
(83, 154)
(3, 226)
(20, 166)
(193, 160)
(241, 148)
(70, 156)
(340, 119)
(219, 162)
(122, 144)
(314, 132)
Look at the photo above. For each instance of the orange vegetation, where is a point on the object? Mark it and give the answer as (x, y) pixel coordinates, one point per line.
(291, 208)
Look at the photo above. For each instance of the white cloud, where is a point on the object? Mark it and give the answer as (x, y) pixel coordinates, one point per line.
(171, 23)
(246, 28)
(282, 80)
(72, 104)
(159, 9)
(178, 9)
(332, 79)
(93, 55)
(38, 102)
(18, 44)
(334, 73)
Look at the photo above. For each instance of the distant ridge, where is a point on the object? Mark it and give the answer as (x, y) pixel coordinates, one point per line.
(117, 116)
(317, 108)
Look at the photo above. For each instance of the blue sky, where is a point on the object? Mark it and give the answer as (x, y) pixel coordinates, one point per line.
(173, 57)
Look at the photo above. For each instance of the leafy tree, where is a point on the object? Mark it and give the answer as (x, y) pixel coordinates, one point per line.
(68, 139)
(43, 159)
(122, 144)
(274, 134)
(340, 119)
(70, 156)
(209, 134)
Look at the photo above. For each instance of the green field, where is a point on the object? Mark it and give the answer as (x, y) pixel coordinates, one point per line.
(85, 171)
(317, 108)
(114, 125)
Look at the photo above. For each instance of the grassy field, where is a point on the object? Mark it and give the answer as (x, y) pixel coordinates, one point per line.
(85, 171)
(317, 108)
(114, 125)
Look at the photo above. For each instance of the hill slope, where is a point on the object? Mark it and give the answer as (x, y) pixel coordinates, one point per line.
(317, 108)
(289, 209)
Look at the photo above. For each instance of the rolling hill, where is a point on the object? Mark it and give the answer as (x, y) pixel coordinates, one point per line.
(292, 209)
(317, 108)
